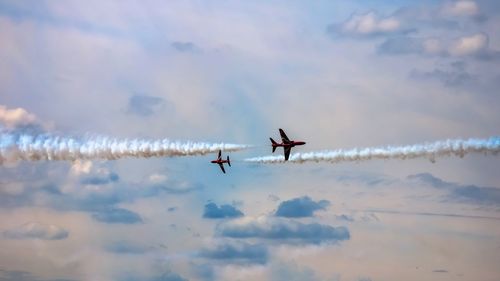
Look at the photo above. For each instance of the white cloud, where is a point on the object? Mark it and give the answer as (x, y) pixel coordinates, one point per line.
(35, 230)
(157, 178)
(469, 45)
(369, 23)
(81, 167)
(433, 46)
(15, 117)
(461, 8)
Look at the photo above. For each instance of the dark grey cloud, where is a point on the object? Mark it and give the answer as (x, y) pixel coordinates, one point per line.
(287, 231)
(468, 193)
(18, 275)
(117, 215)
(300, 207)
(237, 252)
(35, 230)
(440, 271)
(184, 47)
(144, 105)
(126, 247)
(212, 211)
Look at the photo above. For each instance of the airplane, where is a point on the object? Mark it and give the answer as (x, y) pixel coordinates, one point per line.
(286, 144)
(221, 161)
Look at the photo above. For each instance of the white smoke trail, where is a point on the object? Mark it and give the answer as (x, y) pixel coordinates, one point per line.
(15, 146)
(427, 150)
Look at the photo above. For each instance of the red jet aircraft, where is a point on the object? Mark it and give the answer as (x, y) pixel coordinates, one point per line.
(286, 144)
(221, 161)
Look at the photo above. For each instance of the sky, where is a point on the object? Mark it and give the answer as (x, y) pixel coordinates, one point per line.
(336, 74)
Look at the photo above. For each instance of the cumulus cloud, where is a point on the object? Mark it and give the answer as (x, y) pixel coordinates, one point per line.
(144, 105)
(468, 193)
(212, 211)
(236, 252)
(117, 215)
(35, 230)
(19, 118)
(79, 167)
(15, 117)
(468, 45)
(460, 8)
(300, 207)
(279, 229)
(367, 24)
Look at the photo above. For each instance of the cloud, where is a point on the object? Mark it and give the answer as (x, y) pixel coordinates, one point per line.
(100, 179)
(203, 271)
(367, 25)
(440, 271)
(400, 45)
(460, 8)
(237, 252)
(468, 45)
(185, 47)
(455, 75)
(16, 275)
(469, 193)
(16, 117)
(126, 247)
(145, 106)
(79, 167)
(300, 207)
(344, 217)
(168, 276)
(475, 45)
(287, 231)
(212, 211)
(291, 272)
(117, 215)
(35, 230)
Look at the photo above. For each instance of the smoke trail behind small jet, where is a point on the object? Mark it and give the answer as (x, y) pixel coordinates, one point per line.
(15, 146)
(430, 150)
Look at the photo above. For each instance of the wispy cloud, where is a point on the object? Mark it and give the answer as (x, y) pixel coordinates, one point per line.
(36, 230)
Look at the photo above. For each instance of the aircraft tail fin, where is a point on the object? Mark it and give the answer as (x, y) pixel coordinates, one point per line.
(274, 144)
(228, 162)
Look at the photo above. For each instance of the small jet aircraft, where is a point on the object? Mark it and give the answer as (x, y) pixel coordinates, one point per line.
(286, 144)
(221, 161)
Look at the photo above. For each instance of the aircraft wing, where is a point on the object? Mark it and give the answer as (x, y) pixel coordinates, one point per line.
(284, 138)
(222, 167)
(287, 152)
(220, 153)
